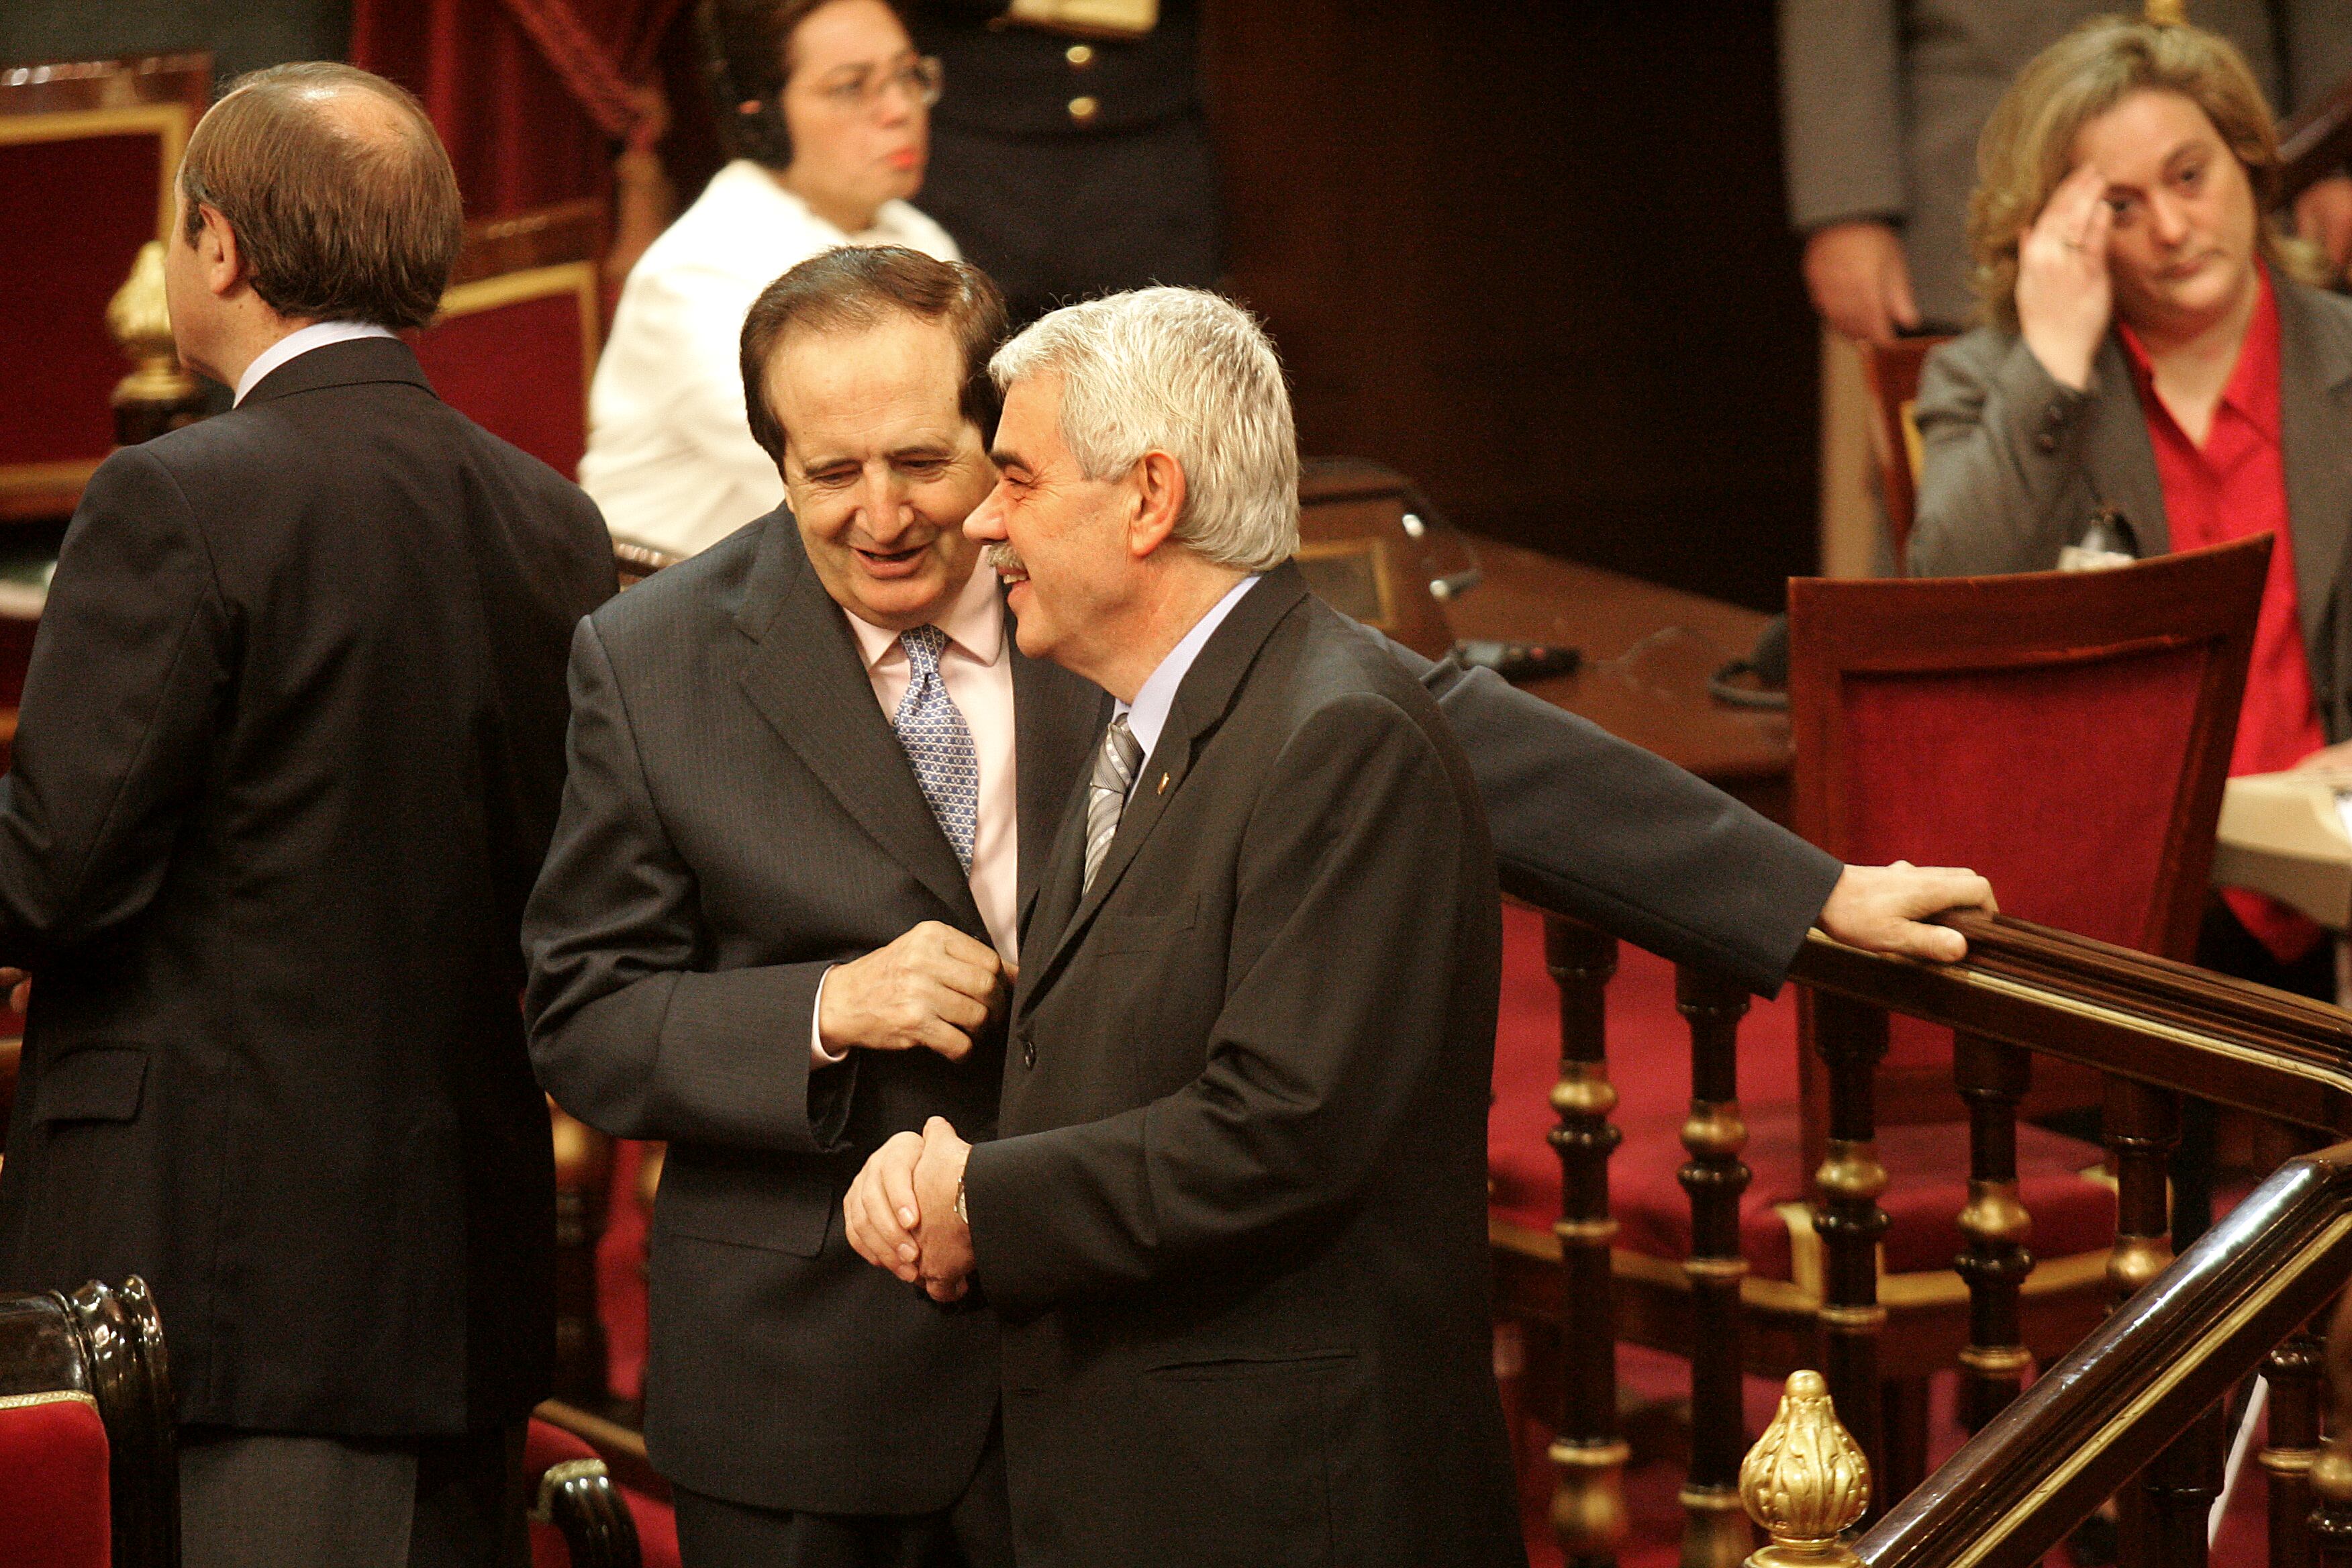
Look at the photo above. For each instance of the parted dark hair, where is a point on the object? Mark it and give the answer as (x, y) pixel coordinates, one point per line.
(335, 221)
(746, 58)
(852, 287)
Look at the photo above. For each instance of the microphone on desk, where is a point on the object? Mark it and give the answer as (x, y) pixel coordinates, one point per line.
(1768, 664)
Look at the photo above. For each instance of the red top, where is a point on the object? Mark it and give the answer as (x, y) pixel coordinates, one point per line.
(2234, 488)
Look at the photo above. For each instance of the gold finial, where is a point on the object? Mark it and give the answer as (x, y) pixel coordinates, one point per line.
(2168, 12)
(139, 317)
(1805, 1481)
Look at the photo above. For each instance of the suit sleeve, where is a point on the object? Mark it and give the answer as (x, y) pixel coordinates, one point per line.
(1596, 828)
(1841, 111)
(1358, 846)
(2003, 485)
(626, 1032)
(113, 735)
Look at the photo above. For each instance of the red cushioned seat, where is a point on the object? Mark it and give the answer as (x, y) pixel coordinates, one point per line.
(1928, 1163)
(54, 1501)
(547, 1445)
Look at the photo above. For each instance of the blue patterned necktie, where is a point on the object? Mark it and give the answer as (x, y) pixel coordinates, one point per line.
(938, 743)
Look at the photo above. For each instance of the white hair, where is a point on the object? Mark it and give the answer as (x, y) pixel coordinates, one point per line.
(1188, 373)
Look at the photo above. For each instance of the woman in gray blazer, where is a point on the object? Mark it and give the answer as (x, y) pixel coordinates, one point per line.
(2149, 349)
(2122, 184)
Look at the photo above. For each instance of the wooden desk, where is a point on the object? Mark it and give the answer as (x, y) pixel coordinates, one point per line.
(1648, 652)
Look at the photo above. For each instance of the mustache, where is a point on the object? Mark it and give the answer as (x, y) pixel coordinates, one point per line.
(1002, 557)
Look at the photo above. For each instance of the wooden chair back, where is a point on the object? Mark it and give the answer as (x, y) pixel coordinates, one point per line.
(88, 150)
(2067, 735)
(515, 345)
(86, 1428)
(1891, 371)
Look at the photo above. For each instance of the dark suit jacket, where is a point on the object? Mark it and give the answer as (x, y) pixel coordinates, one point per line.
(1235, 1221)
(739, 816)
(290, 751)
(1056, 207)
(2016, 463)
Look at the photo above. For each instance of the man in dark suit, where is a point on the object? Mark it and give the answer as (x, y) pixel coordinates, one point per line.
(290, 753)
(770, 933)
(1234, 1220)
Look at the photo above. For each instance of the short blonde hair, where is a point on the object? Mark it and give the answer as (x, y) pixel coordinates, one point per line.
(2023, 155)
(1188, 373)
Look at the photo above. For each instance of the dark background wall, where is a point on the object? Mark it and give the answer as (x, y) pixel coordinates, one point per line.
(1533, 253)
(1530, 252)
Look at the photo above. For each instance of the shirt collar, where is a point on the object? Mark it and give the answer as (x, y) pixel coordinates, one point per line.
(1148, 714)
(2252, 391)
(301, 341)
(973, 620)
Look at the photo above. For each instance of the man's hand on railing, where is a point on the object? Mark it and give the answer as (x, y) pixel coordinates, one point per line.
(1882, 909)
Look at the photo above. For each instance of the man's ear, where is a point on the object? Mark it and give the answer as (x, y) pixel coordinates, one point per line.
(1157, 483)
(221, 261)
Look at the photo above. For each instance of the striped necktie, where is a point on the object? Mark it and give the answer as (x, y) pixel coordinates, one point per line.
(939, 743)
(1115, 764)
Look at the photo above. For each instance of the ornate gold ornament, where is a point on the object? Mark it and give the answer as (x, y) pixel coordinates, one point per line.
(1805, 1482)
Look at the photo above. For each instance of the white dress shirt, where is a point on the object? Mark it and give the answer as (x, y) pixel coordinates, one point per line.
(1148, 714)
(299, 341)
(671, 456)
(977, 667)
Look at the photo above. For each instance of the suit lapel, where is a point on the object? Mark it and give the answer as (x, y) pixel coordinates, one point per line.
(2122, 462)
(2315, 424)
(1202, 701)
(805, 678)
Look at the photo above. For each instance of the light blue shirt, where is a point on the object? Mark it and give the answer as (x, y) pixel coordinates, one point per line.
(1148, 714)
(301, 341)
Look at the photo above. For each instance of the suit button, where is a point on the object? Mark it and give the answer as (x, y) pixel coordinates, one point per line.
(2046, 441)
(2055, 416)
(1028, 1050)
(1084, 109)
(1080, 56)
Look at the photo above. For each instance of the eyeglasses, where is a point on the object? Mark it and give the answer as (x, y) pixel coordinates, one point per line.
(919, 80)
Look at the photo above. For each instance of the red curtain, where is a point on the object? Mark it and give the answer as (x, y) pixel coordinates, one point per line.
(533, 97)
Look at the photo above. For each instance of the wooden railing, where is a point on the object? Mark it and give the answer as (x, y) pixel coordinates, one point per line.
(2147, 1379)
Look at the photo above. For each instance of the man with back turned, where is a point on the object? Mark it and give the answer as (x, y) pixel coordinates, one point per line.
(290, 751)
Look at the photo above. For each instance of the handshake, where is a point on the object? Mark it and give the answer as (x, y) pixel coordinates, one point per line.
(900, 1214)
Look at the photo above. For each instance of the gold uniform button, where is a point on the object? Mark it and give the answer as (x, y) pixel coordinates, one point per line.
(1080, 56)
(1084, 109)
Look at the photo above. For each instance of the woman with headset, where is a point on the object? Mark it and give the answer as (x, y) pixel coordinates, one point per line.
(826, 107)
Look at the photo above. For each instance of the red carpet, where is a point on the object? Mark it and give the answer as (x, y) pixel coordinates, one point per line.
(1649, 1056)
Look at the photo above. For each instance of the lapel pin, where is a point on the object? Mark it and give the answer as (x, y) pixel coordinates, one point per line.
(1164, 785)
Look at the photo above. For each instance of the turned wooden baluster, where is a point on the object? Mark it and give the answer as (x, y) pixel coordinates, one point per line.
(1714, 1528)
(1992, 1079)
(1588, 1506)
(1851, 1037)
(2292, 1373)
(2142, 1124)
(2331, 1471)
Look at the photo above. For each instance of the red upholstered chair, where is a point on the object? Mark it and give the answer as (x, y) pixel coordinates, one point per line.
(519, 329)
(578, 1518)
(2066, 735)
(87, 150)
(88, 1475)
(1891, 371)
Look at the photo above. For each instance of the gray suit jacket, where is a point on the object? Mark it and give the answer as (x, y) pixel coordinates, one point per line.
(1882, 101)
(2016, 463)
